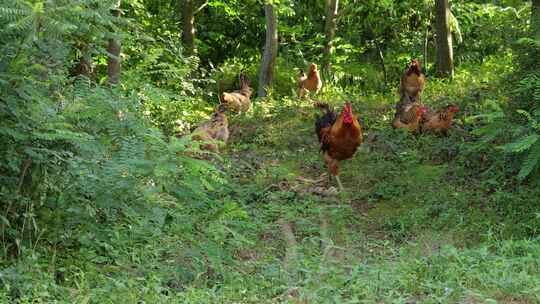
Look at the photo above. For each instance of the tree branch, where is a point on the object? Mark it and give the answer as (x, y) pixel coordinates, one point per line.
(24, 168)
(200, 8)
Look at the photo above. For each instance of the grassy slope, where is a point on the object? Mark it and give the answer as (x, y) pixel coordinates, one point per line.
(411, 225)
(416, 224)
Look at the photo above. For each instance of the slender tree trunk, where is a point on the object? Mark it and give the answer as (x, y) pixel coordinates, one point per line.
(535, 19)
(85, 66)
(188, 26)
(266, 74)
(426, 44)
(330, 31)
(113, 50)
(383, 65)
(445, 56)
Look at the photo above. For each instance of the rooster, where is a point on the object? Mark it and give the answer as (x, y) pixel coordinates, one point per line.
(412, 82)
(439, 122)
(239, 100)
(216, 129)
(312, 82)
(410, 117)
(339, 136)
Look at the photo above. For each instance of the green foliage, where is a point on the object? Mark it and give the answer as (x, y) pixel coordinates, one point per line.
(479, 23)
(70, 159)
(522, 119)
(527, 143)
(104, 201)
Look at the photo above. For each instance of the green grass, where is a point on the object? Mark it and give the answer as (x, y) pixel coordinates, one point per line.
(421, 221)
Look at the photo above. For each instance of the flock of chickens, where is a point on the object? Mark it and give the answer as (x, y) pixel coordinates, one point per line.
(411, 113)
(339, 134)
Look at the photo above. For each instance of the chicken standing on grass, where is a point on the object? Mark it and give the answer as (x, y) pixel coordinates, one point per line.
(412, 84)
(439, 122)
(410, 117)
(212, 131)
(339, 136)
(312, 82)
(239, 100)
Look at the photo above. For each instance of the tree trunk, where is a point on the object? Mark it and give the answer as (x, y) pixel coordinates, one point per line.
(85, 66)
(329, 32)
(535, 19)
(426, 45)
(445, 59)
(383, 65)
(188, 26)
(266, 74)
(113, 50)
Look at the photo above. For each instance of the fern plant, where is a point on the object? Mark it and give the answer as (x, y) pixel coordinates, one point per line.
(528, 135)
(527, 105)
(39, 137)
(527, 144)
(70, 165)
(519, 123)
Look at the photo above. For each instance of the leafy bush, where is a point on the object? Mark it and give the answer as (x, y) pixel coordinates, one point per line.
(77, 153)
(520, 120)
(105, 202)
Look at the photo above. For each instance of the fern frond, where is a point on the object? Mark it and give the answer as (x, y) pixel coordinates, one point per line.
(11, 14)
(522, 144)
(530, 163)
(526, 41)
(24, 24)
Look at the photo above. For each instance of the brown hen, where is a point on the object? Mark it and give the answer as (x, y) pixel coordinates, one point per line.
(439, 122)
(412, 82)
(239, 100)
(410, 117)
(312, 82)
(213, 131)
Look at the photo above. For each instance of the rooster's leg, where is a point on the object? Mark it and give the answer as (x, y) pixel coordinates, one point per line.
(301, 92)
(328, 179)
(339, 183)
(332, 165)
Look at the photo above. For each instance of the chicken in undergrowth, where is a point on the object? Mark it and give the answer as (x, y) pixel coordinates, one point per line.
(239, 100)
(409, 118)
(312, 82)
(439, 122)
(339, 136)
(404, 102)
(213, 131)
(412, 83)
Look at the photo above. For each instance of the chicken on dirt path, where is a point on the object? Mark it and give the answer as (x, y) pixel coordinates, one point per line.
(339, 136)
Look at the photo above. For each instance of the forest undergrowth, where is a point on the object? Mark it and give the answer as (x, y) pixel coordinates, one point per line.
(108, 197)
(422, 218)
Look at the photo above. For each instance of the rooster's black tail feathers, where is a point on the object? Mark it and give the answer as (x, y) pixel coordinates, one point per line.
(327, 119)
